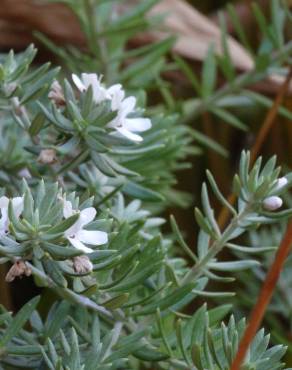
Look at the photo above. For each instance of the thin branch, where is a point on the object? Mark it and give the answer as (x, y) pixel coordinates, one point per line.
(264, 298)
(217, 245)
(69, 294)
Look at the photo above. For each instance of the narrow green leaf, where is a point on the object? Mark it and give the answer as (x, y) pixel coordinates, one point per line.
(19, 320)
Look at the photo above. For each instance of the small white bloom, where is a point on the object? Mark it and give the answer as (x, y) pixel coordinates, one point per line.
(281, 182)
(125, 125)
(91, 79)
(17, 204)
(76, 234)
(272, 203)
(122, 123)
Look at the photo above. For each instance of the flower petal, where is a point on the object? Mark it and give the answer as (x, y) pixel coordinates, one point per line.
(87, 215)
(99, 92)
(79, 84)
(4, 201)
(117, 95)
(137, 124)
(67, 209)
(17, 204)
(92, 237)
(128, 134)
(90, 79)
(114, 89)
(128, 105)
(78, 245)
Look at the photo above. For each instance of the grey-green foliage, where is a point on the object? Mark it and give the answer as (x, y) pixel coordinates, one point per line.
(125, 306)
(80, 127)
(134, 276)
(252, 187)
(72, 339)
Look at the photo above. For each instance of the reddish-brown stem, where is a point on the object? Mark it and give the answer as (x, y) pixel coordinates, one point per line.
(264, 298)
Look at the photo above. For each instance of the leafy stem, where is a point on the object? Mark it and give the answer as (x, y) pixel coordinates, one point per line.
(232, 87)
(198, 269)
(69, 294)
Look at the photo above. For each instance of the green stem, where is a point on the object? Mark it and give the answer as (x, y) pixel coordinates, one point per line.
(198, 269)
(69, 294)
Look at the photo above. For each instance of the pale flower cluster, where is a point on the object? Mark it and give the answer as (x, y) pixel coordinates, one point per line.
(124, 123)
(77, 235)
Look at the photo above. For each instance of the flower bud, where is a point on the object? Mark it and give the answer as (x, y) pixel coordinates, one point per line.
(56, 94)
(82, 265)
(24, 172)
(18, 269)
(281, 182)
(47, 156)
(272, 203)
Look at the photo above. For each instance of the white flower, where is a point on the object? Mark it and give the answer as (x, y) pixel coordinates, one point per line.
(122, 123)
(76, 234)
(17, 204)
(281, 182)
(272, 203)
(123, 106)
(100, 93)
